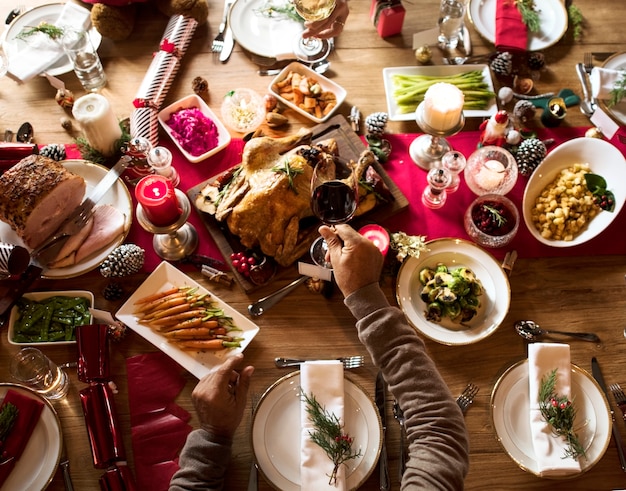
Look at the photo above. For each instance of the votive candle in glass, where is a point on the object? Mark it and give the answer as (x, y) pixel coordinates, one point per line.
(443, 106)
(157, 196)
(378, 235)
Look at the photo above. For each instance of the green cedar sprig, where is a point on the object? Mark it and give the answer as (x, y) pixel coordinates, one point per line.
(497, 216)
(289, 171)
(559, 412)
(576, 21)
(50, 30)
(329, 435)
(8, 416)
(530, 16)
(619, 90)
(272, 11)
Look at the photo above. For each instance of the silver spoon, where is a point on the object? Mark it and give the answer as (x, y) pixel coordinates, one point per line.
(260, 306)
(530, 331)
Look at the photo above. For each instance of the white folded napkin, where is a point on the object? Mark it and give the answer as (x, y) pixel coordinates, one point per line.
(543, 358)
(603, 81)
(28, 58)
(323, 379)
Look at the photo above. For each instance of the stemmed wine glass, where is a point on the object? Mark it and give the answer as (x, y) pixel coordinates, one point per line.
(334, 200)
(313, 49)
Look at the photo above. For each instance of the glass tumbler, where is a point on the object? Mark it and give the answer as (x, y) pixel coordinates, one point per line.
(30, 367)
(85, 60)
(451, 14)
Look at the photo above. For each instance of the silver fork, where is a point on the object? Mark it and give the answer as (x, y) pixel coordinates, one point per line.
(467, 397)
(588, 62)
(218, 42)
(348, 361)
(620, 398)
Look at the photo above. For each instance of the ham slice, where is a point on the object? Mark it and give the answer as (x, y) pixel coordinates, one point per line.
(36, 195)
(106, 225)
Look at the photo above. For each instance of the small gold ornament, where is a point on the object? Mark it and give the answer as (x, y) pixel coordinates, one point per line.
(315, 285)
(523, 85)
(66, 123)
(423, 54)
(594, 133)
(64, 98)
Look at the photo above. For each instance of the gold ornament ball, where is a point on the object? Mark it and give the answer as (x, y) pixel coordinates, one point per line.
(423, 54)
(594, 133)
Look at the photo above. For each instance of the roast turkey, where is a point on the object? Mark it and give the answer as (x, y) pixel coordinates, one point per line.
(36, 195)
(265, 201)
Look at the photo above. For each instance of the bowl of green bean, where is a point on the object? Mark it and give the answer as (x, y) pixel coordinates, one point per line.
(49, 318)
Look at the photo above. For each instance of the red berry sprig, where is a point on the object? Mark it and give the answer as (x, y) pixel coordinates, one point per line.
(243, 262)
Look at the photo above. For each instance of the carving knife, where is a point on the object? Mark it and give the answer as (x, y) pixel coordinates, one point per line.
(380, 396)
(597, 374)
(76, 221)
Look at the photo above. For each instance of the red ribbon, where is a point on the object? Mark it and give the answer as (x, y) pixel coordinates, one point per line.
(169, 47)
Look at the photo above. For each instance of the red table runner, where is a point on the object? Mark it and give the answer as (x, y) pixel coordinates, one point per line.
(411, 179)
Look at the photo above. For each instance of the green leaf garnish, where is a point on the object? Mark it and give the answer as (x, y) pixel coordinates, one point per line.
(597, 186)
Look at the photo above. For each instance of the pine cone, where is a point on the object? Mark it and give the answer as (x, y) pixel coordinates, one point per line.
(200, 85)
(524, 111)
(529, 155)
(375, 123)
(54, 151)
(502, 64)
(113, 291)
(536, 60)
(125, 260)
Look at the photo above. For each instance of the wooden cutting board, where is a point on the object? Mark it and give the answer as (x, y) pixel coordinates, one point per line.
(350, 147)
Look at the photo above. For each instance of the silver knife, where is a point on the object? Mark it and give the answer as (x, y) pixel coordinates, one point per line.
(64, 463)
(229, 41)
(597, 374)
(380, 395)
(76, 221)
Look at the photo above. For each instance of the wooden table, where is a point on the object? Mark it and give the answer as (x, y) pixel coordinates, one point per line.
(585, 293)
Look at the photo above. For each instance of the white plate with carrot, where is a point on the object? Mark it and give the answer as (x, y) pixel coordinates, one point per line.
(186, 321)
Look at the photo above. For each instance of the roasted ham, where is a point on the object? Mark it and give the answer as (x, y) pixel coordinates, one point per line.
(36, 195)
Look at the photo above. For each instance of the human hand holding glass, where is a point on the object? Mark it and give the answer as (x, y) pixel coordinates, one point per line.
(313, 49)
(334, 200)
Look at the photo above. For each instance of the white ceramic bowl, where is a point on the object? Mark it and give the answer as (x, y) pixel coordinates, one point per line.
(603, 159)
(38, 296)
(326, 85)
(223, 138)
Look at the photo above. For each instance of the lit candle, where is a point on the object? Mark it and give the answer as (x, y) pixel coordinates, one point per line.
(443, 105)
(98, 122)
(157, 197)
(378, 235)
(490, 175)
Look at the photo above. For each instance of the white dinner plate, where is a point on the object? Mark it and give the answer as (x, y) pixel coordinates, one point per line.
(510, 409)
(198, 363)
(454, 253)
(435, 71)
(47, 13)
(118, 196)
(618, 111)
(40, 459)
(603, 158)
(258, 33)
(276, 433)
(552, 17)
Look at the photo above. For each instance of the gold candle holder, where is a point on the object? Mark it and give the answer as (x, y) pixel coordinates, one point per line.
(428, 149)
(176, 241)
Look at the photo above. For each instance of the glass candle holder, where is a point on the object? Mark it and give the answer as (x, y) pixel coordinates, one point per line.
(491, 170)
(491, 220)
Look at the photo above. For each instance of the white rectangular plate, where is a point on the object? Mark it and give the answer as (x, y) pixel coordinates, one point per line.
(198, 363)
(435, 71)
(38, 296)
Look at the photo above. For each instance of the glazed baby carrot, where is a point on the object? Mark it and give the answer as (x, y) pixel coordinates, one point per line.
(208, 344)
(156, 296)
(195, 333)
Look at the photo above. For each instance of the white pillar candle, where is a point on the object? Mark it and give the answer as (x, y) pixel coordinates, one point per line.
(443, 105)
(98, 122)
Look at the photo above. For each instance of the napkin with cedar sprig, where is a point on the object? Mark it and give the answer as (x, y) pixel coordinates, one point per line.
(514, 20)
(557, 451)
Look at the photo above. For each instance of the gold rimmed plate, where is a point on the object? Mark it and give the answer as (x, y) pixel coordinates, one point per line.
(510, 409)
(618, 111)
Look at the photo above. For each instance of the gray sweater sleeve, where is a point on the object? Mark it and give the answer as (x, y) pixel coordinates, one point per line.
(203, 462)
(436, 432)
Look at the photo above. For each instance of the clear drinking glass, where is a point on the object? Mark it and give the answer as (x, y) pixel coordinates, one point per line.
(84, 57)
(32, 368)
(451, 14)
(313, 49)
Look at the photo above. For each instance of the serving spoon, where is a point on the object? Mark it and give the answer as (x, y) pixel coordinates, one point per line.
(530, 331)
